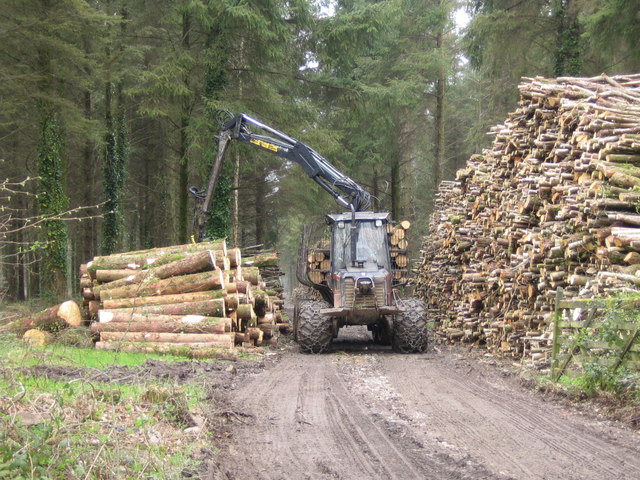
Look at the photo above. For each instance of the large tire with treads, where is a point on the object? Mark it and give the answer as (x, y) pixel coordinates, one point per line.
(410, 328)
(313, 330)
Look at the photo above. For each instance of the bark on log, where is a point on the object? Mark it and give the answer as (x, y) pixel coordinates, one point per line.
(186, 324)
(163, 299)
(261, 260)
(192, 350)
(245, 312)
(185, 248)
(235, 257)
(158, 256)
(252, 275)
(196, 282)
(211, 308)
(162, 337)
(105, 276)
(239, 287)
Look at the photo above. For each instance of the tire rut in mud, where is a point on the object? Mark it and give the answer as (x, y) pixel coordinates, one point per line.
(319, 427)
(493, 419)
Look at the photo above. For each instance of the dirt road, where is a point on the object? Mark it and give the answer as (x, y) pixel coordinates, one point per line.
(366, 413)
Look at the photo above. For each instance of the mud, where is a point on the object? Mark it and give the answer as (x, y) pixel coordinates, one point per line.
(363, 412)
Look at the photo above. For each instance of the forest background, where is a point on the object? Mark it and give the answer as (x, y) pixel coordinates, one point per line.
(109, 111)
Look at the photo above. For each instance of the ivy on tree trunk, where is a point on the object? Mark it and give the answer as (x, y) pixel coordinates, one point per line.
(52, 201)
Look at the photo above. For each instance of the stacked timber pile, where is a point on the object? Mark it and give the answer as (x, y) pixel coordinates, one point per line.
(552, 204)
(319, 259)
(198, 296)
(398, 250)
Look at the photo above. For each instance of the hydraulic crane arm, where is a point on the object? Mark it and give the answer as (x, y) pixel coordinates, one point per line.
(342, 188)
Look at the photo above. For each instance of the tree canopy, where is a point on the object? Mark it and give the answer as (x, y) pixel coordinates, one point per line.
(115, 103)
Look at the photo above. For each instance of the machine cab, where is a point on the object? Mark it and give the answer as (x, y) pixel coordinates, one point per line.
(360, 262)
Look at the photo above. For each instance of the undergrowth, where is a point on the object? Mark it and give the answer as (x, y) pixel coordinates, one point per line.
(60, 429)
(598, 373)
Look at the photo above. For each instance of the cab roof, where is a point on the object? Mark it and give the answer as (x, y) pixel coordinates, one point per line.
(347, 216)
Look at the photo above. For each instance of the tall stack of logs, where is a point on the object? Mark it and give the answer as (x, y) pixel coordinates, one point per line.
(554, 203)
(196, 297)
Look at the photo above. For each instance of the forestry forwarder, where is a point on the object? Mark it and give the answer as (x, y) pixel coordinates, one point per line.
(359, 289)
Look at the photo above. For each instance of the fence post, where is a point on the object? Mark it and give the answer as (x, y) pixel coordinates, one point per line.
(557, 315)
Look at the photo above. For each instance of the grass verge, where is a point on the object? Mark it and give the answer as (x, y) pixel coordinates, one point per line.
(57, 428)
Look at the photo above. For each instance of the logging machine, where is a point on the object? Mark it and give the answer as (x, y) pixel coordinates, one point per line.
(359, 289)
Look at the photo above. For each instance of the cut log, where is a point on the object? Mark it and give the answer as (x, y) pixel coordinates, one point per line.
(195, 350)
(246, 312)
(239, 287)
(196, 282)
(232, 300)
(184, 324)
(37, 338)
(198, 262)
(262, 260)
(104, 276)
(66, 314)
(163, 299)
(252, 275)
(157, 256)
(162, 337)
(255, 335)
(235, 257)
(189, 247)
(212, 308)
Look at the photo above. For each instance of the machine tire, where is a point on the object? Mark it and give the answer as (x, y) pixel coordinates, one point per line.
(313, 330)
(410, 332)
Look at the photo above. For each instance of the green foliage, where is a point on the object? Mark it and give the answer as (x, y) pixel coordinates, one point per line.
(219, 221)
(87, 429)
(359, 85)
(601, 348)
(611, 30)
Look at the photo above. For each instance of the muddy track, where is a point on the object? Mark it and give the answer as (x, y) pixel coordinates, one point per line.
(372, 414)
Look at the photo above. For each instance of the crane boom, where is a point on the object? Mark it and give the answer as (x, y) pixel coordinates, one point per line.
(342, 188)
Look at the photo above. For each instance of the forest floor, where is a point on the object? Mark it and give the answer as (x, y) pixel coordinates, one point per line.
(358, 412)
(363, 412)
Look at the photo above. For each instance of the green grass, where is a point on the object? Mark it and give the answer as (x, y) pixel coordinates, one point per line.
(91, 429)
(15, 353)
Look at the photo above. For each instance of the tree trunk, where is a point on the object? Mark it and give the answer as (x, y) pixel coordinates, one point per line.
(185, 116)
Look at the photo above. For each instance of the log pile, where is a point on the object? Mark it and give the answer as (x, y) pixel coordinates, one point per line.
(196, 297)
(397, 236)
(552, 204)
